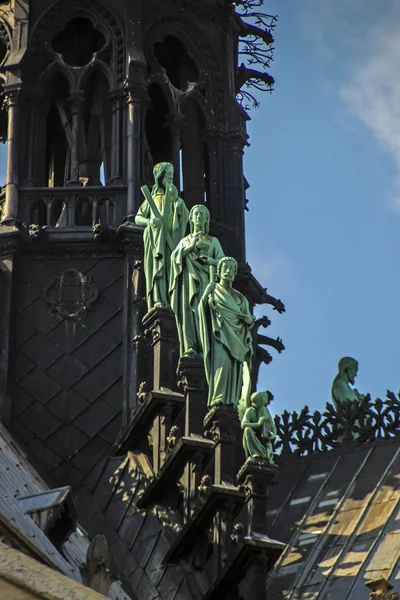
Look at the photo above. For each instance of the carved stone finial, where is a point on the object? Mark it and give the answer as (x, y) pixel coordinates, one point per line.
(238, 533)
(380, 589)
(96, 573)
(205, 486)
(144, 389)
(174, 435)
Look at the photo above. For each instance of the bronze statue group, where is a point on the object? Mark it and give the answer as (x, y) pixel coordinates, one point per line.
(191, 275)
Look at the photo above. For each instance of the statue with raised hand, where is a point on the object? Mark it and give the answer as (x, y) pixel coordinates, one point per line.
(193, 266)
(225, 324)
(258, 426)
(164, 217)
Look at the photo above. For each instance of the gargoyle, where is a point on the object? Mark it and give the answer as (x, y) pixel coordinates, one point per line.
(257, 78)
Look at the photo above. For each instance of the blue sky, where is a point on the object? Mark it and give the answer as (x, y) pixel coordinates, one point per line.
(324, 170)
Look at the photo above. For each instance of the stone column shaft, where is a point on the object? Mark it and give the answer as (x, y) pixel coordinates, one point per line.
(76, 102)
(10, 214)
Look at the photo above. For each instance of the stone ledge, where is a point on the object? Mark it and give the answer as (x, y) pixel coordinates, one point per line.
(173, 467)
(139, 426)
(258, 467)
(217, 497)
(250, 549)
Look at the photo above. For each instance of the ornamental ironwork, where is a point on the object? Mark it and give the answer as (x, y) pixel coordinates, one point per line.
(255, 50)
(307, 432)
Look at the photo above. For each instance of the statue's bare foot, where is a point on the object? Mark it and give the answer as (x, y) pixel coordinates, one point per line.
(190, 352)
(217, 404)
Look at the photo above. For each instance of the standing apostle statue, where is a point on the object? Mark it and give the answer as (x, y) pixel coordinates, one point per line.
(164, 217)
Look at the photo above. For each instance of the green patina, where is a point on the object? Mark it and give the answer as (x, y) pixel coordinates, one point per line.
(343, 394)
(163, 229)
(193, 265)
(258, 426)
(225, 332)
(347, 399)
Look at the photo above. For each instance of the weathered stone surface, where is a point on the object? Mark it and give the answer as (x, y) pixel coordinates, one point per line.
(22, 573)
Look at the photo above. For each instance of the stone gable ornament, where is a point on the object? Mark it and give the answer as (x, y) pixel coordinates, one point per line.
(164, 217)
(71, 294)
(193, 266)
(225, 323)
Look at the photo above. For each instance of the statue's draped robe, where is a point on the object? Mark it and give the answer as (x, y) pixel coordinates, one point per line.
(343, 394)
(157, 253)
(258, 442)
(189, 279)
(227, 344)
(346, 401)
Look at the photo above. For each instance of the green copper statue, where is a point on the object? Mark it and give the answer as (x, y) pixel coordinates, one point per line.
(164, 216)
(342, 393)
(193, 265)
(258, 426)
(225, 332)
(347, 400)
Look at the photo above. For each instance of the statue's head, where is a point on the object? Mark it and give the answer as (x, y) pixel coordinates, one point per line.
(348, 367)
(260, 399)
(227, 269)
(163, 174)
(200, 215)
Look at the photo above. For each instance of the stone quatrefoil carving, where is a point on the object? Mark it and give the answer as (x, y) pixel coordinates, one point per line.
(71, 294)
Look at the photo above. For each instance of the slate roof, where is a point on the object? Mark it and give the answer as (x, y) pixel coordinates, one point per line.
(339, 513)
(18, 478)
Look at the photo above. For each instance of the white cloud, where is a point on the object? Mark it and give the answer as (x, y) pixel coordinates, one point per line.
(373, 90)
(363, 44)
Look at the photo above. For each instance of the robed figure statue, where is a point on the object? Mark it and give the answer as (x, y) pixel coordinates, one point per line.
(164, 216)
(225, 333)
(344, 396)
(347, 400)
(193, 266)
(258, 426)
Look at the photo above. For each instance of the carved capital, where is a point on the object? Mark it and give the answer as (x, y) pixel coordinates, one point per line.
(76, 100)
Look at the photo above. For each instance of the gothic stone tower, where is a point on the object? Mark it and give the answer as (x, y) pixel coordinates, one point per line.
(95, 93)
